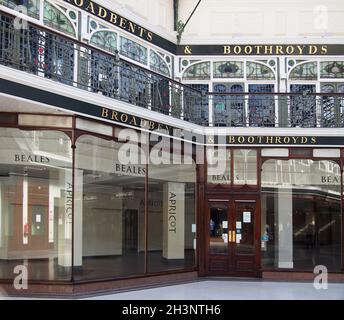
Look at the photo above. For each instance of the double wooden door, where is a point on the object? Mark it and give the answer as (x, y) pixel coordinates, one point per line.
(232, 242)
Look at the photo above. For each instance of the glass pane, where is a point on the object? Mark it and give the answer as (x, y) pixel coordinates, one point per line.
(332, 69)
(258, 71)
(106, 40)
(245, 166)
(228, 69)
(218, 228)
(31, 5)
(301, 215)
(218, 166)
(244, 236)
(305, 71)
(198, 71)
(158, 64)
(171, 211)
(35, 204)
(133, 50)
(109, 209)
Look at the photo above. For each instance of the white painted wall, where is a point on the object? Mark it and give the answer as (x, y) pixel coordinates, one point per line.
(218, 21)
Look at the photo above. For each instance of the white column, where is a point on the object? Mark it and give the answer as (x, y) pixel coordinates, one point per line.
(78, 209)
(173, 220)
(285, 228)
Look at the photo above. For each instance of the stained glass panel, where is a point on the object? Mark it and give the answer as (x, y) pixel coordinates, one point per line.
(106, 40)
(228, 69)
(158, 64)
(258, 71)
(31, 5)
(202, 105)
(56, 19)
(133, 50)
(332, 69)
(332, 107)
(305, 71)
(198, 71)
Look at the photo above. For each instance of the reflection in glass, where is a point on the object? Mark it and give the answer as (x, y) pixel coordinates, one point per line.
(218, 230)
(245, 166)
(35, 204)
(301, 216)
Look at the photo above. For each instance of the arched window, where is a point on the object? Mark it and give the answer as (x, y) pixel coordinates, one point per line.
(305, 71)
(198, 71)
(55, 18)
(105, 39)
(259, 71)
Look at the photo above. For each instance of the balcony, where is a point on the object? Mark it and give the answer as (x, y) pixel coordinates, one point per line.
(45, 54)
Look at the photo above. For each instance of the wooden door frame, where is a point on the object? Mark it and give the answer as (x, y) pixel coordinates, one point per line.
(229, 198)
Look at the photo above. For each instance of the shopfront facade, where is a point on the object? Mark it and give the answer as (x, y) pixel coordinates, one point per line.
(163, 163)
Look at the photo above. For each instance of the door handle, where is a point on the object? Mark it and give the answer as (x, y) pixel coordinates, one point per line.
(231, 236)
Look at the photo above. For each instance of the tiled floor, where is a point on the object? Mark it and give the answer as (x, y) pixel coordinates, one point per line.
(234, 290)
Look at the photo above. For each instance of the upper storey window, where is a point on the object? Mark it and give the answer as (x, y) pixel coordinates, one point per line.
(133, 50)
(304, 71)
(258, 71)
(158, 64)
(332, 69)
(105, 39)
(198, 71)
(31, 5)
(228, 69)
(60, 19)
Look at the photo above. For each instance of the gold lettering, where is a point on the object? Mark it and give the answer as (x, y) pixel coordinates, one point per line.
(143, 123)
(122, 23)
(124, 118)
(278, 140)
(279, 50)
(114, 115)
(286, 140)
(226, 49)
(79, 3)
(301, 48)
(269, 140)
(142, 31)
(151, 125)
(290, 49)
(90, 6)
(132, 27)
(313, 49)
(102, 12)
(105, 112)
(241, 139)
(268, 49)
(187, 50)
(133, 121)
(258, 49)
(260, 139)
(250, 139)
(294, 139)
(149, 36)
(113, 18)
(248, 49)
(304, 140)
(313, 140)
(324, 49)
(231, 139)
(237, 49)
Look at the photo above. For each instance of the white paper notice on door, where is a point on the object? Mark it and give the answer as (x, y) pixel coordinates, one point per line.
(247, 216)
(238, 238)
(224, 224)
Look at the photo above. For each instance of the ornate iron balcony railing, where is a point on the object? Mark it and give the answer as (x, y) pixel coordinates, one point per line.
(49, 55)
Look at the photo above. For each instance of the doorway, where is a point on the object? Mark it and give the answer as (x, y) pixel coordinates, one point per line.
(232, 245)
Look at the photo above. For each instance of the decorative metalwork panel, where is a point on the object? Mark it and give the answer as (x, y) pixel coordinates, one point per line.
(258, 71)
(332, 69)
(228, 69)
(332, 108)
(305, 71)
(55, 18)
(133, 50)
(229, 110)
(201, 110)
(31, 5)
(158, 64)
(261, 108)
(104, 39)
(303, 107)
(198, 71)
